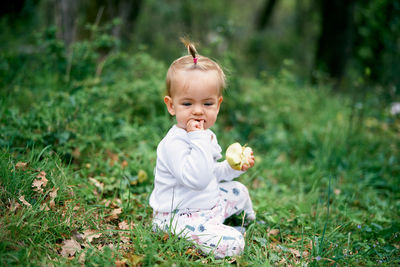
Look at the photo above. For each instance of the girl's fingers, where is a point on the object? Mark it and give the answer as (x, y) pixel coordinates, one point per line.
(245, 167)
(193, 125)
(201, 124)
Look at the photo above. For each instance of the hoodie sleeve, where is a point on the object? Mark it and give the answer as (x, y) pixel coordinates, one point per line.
(224, 172)
(190, 160)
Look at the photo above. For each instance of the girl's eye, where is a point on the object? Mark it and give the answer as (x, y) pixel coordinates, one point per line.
(209, 104)
(186, 104)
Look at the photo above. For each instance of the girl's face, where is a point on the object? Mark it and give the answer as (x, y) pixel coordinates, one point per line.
(194, 96)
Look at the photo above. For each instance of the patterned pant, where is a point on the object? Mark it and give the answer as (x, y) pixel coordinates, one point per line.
(205, 227)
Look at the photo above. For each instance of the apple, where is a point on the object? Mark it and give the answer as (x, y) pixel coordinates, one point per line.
(238, 155)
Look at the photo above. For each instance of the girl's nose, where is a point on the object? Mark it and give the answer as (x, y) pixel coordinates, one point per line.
(197, 109)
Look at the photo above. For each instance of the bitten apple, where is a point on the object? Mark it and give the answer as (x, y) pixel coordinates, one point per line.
(238, 155)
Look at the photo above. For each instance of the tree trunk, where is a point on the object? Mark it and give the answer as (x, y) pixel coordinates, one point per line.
(335, 41)
(66, 13)
(128, 11)
(265, 15)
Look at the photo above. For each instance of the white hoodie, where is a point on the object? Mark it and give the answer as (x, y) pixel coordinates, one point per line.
(187, 171)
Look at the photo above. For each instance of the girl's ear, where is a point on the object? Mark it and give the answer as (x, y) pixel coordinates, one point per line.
(169, 104)
(220, 101)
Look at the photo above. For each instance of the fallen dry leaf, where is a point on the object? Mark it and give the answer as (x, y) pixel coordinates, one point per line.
(120, 263)
(89, 235)
(295, 252)
(124, 164)
(39, 183)
(106, 202)
(22, 199)
(125, 235)
(53, 195)
(113, 158)
(124, 238)
(21, 165)
(165, 237)
(98, 184)
(14, 205)
(70, 247)
(41, 174)
(76, 153)
(273, 232)
(189, 251)
(114, 214)
(44, 206)
(125, 226)
(82, 258)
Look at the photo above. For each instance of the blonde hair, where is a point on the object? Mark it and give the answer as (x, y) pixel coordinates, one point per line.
(194, 61)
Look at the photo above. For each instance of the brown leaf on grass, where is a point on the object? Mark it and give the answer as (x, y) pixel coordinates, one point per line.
(295, 252)
(189, 251)
(22, 199)
(114, 214)
(124, 164)
(125, 226)
(124, 238)
(98, 184)
(39, 183)
(165, 237)
(113, 158)
(292, 238)
(70, 247)
(76, 153)
(14, 205)
(205, 261)
(44, 206)
(21, 165)
(283, 262)
(195, 252)
(53, 195)
(120, 263)
(89, 235)
(106, 202)
(125, 235)
(273, 232)
(82, 258)
(41, 174)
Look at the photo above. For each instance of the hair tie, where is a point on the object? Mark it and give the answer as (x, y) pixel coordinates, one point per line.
(195, 60)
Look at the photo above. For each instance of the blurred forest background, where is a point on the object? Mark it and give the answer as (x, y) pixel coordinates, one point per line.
(313, 88)
(353, 42)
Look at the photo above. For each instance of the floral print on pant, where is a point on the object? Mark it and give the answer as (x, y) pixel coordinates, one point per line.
(205, 227)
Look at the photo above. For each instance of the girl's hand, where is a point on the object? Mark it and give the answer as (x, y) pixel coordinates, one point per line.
(251, 160)
(193, 125)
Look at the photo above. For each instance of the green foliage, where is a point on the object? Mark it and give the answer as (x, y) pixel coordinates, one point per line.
(326, 172)
(376, 39)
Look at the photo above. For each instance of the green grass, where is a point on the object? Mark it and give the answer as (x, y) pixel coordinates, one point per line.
(325, 185)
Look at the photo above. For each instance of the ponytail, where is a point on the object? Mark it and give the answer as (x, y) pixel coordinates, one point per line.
(191, 48)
